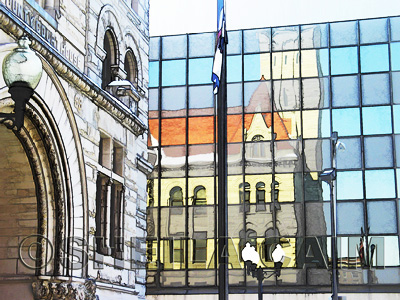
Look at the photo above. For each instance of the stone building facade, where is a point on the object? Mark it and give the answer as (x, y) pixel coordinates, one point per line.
(73, 178)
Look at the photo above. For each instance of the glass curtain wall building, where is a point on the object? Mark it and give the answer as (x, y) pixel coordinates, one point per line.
(288, 89)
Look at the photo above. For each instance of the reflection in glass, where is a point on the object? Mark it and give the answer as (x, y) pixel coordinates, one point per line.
(314, 36)
(257, 40)
(257, 96)
(257, 67)
(174, 72)
(153, 138)
(351, 157)
(317, 155)
(396, 118)
(287, 156)
(173, 161)
(173, 131)
(344, 33)
(350, 217)
(235, 42)
(234, 158)
(285, 38)
(318, 219)
(153, 103)
(395, 29)
(346, 121)
(285, 64)
(349, 185)
(374, 58)
(345, 91)
(200, 70)
(154, 50)
(378, 152)
(234, 68)
(396, 87)
(375, 89)
(395, 56)
(201, 162)
(379, 184)
(344, 60)
(201, 44)
(234, 98)
(377, 120)
(174, 46)
(201, 100)
(287, 94)
(201, 130)
(382, 217)
(154, 73)
(315, 63)
(316, 92)
(258, 157)
(316, 123)
(173, 102)
(373, 31)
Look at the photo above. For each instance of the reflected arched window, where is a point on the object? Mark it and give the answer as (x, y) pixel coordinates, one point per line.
(176, 196)
(260, 192)
(110, 47)
(244, 193)
(130, 67)
(199, 197)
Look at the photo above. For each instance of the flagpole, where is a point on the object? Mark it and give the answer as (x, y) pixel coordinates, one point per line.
(223, 292)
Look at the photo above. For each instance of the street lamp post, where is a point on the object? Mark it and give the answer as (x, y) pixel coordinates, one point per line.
(251, 258)
(22, 70)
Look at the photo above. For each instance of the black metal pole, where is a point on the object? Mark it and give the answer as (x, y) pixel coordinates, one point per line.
(260, 277)
(334, 138)
(222, 183)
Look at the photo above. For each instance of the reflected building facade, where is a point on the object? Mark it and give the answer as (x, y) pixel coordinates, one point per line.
(288, 89)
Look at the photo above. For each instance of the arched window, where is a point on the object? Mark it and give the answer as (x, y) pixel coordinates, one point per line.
(199, 197)
(130, 67)
(176, 196)
(260, 192)
(244, 193)
(110, 47)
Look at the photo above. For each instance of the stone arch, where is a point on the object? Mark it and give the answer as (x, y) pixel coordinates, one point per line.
(131, 44)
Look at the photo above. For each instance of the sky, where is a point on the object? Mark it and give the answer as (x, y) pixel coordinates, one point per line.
(170, 17)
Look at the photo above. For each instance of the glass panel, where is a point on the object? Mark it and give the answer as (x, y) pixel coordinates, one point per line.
(395, 56)
(344, 60)
(153, 132)
(344, 33)
(350, 217)
(257, 67)
(317, 155)
(153, 103)
(201, 277)
(285, 65)
(258, 127)
(378, 152)
(174, 46)
(318, 217)
(373, 31)
(349, 185)
(314, 63)
(395, 29)
(175, 188)
(379, 184)
(375, 89)
(234, 128)
(173, 161)
(350, 158)
(258, 157)
(316, 123)
(173, 102)
(285, 38)
(234, 98)
(154, 51)
(235, 161)
(382, 217)
(173, 131)
(201, 100)
(287, 156)
(377, 120)
(345, 91)
(234, 68)
(154, 73)
(287, 94)
(172, 278)
(314, 36)
(396, 117)
(201, 163)
(287, 125)
(257, 40)
(200, 70)
(346, 121)
(257, 96)
(315, 189)
(173, 72)
(201, 130)
(235, 42)
(374, 58)
(201, 44)
(388, 276)
(396, 87)
(316, 93)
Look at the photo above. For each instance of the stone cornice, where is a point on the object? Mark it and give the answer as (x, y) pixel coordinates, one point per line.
(17, 28)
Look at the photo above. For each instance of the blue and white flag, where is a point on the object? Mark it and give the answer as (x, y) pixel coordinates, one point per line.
(219, 47)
